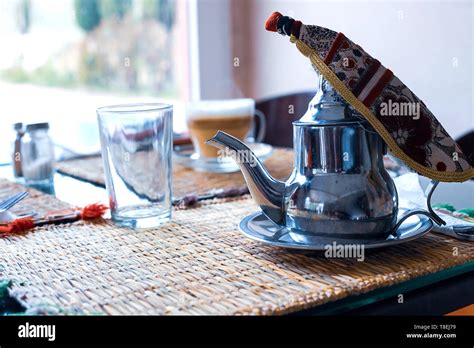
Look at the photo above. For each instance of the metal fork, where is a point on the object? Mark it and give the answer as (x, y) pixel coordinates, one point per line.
(11, 201)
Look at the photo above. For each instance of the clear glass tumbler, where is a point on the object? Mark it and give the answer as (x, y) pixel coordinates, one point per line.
(136, 144)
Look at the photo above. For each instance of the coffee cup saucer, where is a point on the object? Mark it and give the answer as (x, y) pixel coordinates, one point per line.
(188, 158)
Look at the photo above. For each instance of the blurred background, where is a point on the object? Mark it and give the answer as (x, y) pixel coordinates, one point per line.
(61, 60)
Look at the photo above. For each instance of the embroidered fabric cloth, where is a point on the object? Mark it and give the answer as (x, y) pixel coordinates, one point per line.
(408, 127)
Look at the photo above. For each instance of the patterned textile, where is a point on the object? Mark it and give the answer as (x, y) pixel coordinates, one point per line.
(405, 123)
(320, 39)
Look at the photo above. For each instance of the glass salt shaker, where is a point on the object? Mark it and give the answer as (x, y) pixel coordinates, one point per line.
(16, 155)
(37, 154)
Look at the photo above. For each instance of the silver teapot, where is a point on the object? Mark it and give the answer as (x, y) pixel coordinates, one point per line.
(339, 186)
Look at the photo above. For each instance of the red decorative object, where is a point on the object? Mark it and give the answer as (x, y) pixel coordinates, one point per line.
(18, 226)
(93, 211)
(89, 212)
(271, 23)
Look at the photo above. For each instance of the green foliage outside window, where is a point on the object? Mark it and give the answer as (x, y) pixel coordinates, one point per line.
(163, 11)
(88, 15)
(127, 46)
(114, 8)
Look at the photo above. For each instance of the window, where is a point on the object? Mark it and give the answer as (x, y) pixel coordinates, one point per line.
(62, 59)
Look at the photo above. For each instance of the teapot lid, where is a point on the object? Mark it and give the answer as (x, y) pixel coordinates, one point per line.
(328, 108)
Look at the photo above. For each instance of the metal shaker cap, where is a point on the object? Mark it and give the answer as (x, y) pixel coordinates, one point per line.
(37, 126)
(18, 126)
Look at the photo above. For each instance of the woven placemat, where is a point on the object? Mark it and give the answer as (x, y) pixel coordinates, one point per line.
(185, 180)
(198, 264)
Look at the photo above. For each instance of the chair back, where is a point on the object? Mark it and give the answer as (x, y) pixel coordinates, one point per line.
(280, 112)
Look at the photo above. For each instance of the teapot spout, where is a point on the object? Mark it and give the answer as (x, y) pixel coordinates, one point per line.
(266, 191)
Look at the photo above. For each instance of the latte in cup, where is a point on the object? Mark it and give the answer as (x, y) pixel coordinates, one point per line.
(205, 118)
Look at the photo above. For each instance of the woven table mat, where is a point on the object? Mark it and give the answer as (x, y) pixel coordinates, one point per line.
(198, 264)
(35, 201)
(185, 180)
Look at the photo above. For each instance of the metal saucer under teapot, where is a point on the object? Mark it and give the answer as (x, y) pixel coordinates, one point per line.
(339, 186)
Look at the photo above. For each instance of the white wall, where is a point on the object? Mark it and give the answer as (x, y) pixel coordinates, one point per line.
(418, 41)
(214, 45)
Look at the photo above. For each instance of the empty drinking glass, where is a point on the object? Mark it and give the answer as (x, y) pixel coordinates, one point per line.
(136, 144)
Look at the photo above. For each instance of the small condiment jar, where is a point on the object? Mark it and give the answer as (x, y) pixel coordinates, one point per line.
(16, 156)
(37, 155)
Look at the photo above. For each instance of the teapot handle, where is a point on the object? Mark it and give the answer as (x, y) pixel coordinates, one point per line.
(430, 212)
